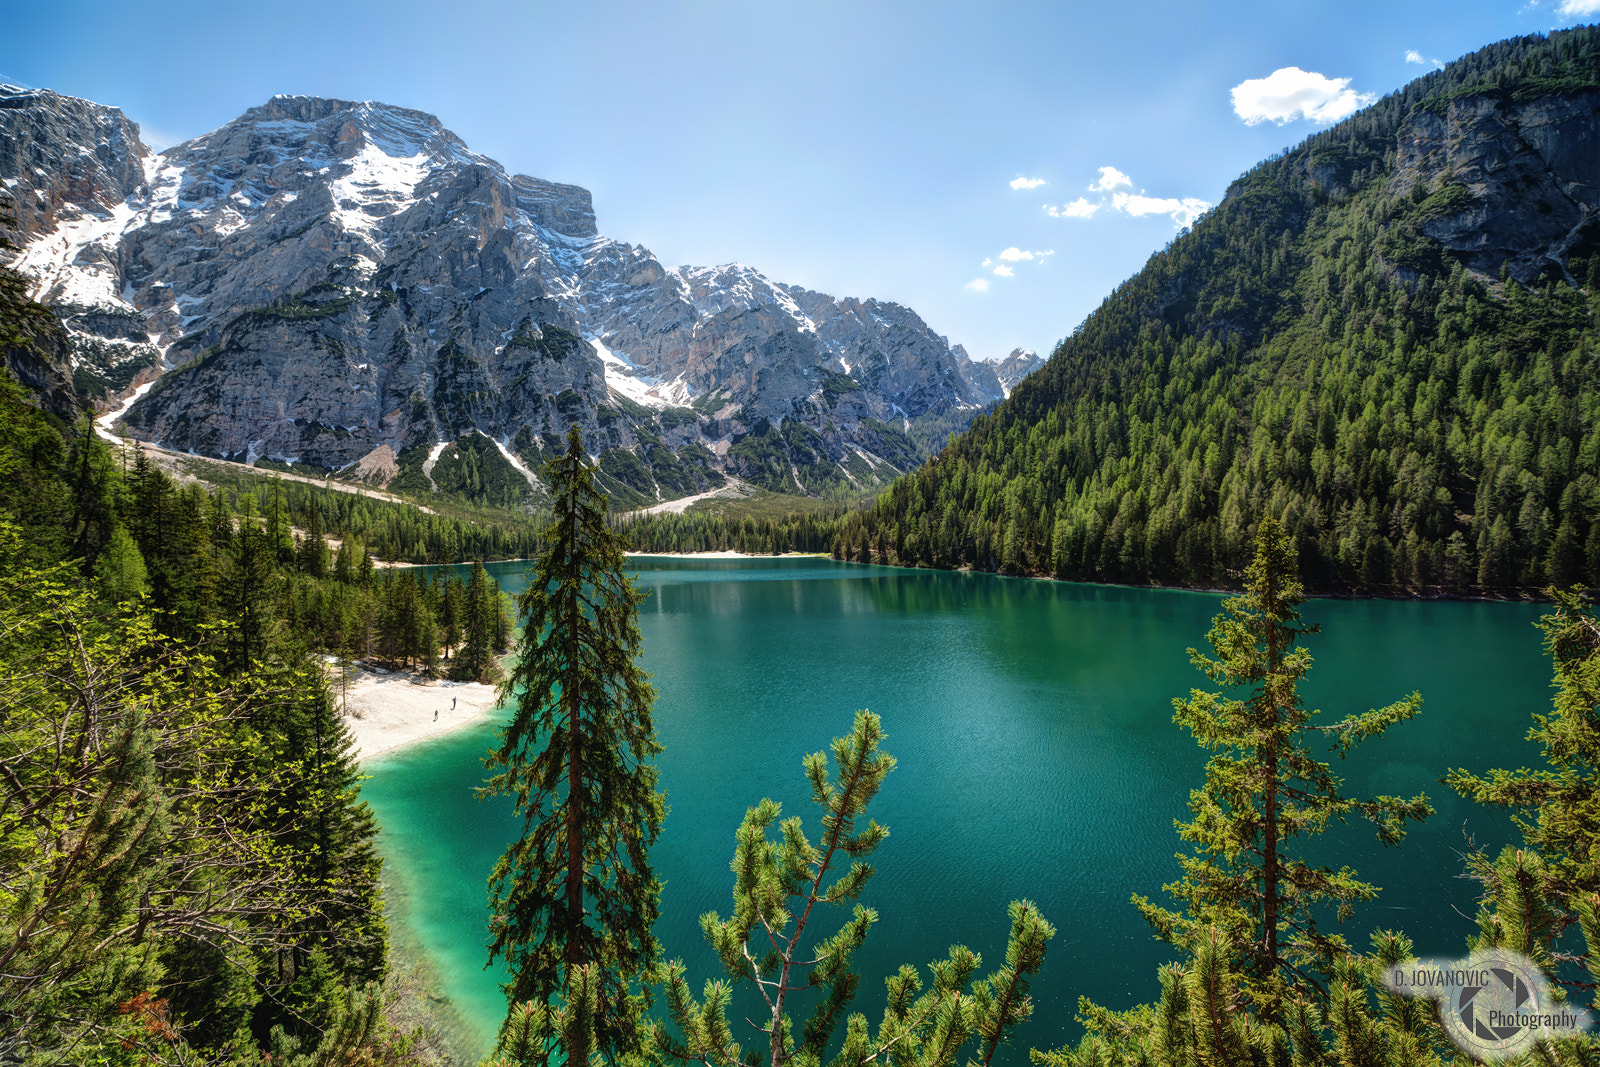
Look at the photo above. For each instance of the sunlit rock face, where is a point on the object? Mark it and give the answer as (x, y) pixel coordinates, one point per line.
(323, 278)
(1513, 184)
(1017, 366)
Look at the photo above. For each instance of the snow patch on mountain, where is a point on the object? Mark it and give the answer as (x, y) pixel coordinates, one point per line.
(626, 379)
(103, 424)
(76, 263)
(511, 458)
(377, 185)
(715, 289)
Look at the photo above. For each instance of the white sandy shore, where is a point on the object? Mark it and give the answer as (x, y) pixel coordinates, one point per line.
(386, 711)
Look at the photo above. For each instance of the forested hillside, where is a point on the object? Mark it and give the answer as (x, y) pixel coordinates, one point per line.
(187, 871)
(1393, 352)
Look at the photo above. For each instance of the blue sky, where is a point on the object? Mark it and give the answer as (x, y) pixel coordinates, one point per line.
(934, 153)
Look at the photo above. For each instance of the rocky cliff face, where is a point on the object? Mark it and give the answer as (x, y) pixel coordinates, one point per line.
(327, 278)
(1506, 182)
(35, 349)
(69, 170)
(1017, 366)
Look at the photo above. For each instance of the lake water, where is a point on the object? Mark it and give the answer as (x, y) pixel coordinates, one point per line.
(1032, 724)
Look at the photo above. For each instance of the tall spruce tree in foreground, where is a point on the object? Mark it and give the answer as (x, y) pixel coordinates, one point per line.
(1264, 788)
(574, 899)
(1532, 896)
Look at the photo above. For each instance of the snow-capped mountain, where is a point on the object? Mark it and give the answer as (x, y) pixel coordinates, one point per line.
(321, 279)
(1017, 366)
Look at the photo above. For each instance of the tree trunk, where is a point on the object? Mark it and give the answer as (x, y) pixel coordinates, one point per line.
(1269, 864)
(569, 697)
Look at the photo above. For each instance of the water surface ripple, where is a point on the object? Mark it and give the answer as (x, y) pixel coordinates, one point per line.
(1032, 722)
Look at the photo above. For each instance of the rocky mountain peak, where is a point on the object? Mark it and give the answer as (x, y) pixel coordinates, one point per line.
(322, 130)
(1020, 363)
(61, 157)
(321, 279)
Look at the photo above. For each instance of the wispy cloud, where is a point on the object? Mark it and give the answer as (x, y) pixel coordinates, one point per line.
(1110, 178)
(1578, 8)
(1027, 183)
(1414, 56)
(1006, 268)
(1291, 93)
(1183, 211)
(1078, 209)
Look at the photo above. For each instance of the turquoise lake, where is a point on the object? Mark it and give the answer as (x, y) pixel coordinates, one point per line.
(1037, 758)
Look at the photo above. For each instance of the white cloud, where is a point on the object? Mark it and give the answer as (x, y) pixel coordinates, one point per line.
(1291, 93)
(1026, 183)
(1578, 8)
(1110, 178)
(1414, 56)
(1078, 209)
(1183, 212)
(1004, 267)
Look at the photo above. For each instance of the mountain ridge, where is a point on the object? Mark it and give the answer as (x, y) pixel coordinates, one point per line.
(320, 278)
(1384, 337)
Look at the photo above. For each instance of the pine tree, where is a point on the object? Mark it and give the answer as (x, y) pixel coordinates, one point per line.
(93, 478)
(247, 596)
(575, 897)
(324, 820)
(119, 570)
(481, 602)
(783, 888)
(279, 540)
(312, 554)
(1264, 788)
(344, 563)
(449, 596)
(1558, 809)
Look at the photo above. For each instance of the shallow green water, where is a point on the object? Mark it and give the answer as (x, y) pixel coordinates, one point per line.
(1037, 758)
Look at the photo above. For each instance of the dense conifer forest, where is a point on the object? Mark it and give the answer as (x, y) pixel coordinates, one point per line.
(179, 825)
(1304, 352)
(187, 872)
